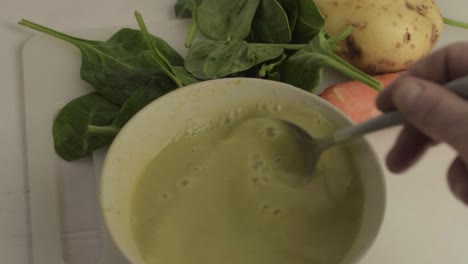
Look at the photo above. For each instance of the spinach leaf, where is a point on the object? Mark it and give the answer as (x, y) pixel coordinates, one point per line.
(270, 24)
(140, 98)
(184, 76)
(226, 19)
(157, 55)
(216, 59)
(71, 139)
(91, 122)
(115, 68)
(132, 41)
(291, 9)
(304, 68)
(271, 70)
(186, 9)
(309, 21)
(178, 72)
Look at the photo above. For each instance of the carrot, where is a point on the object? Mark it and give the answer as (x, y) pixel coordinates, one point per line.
(356, 99)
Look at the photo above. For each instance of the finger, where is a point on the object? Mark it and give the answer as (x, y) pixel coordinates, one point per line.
(443, 65)
(384, 100)
(408, 149)
(440, 67)
(458, 179)
(435, 111)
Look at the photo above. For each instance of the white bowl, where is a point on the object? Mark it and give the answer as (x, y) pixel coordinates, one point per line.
(154, 126)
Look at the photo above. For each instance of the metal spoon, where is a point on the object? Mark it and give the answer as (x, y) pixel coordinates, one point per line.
(318, 146)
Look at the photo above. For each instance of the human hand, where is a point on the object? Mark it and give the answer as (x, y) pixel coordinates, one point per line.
(434, 113)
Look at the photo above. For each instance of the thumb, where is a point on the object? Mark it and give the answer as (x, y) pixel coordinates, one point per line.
(434, 110)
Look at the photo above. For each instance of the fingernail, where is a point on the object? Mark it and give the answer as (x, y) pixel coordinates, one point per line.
(406, 96)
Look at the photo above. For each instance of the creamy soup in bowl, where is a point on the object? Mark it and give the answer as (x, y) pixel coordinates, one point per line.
(207, 174)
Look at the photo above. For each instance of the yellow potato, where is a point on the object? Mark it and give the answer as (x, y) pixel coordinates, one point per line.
(389, 35)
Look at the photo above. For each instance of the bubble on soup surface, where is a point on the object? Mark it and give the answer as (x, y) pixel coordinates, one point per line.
(265, 179)
(199, 169)
(271, 132)
(257, 165)
(277, 211)
(277, 108)
(184, 182)
(195, 128)
(230, 117)
(228, 120)
(195, 150)
(255, 156)
(276, 159)
(265, 207)
(165, 195)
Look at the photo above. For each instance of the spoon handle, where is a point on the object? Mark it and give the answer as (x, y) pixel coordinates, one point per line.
(390, 119)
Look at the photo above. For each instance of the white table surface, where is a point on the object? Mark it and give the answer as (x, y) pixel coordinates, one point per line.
(424, 224)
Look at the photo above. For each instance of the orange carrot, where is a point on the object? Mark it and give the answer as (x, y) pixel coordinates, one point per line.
(356, 99)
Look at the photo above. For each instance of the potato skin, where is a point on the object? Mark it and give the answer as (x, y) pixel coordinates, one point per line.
(389, 35)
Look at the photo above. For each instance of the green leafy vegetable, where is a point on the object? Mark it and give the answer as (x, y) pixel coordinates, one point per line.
(91, 122)
(291, 8)
(226, 19)
(178, 72)
(216, 59)
(115, 68)
(304, 68)
(158, 57)
(309, 21)
(185, 9)
(270, 24)
(184, 76)
(271, 70)
(142, 97)
(71, 139)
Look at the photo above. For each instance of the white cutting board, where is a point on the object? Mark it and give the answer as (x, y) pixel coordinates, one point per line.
(423, 224)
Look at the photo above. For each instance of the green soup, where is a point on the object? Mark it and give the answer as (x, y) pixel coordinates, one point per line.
(237, 191)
